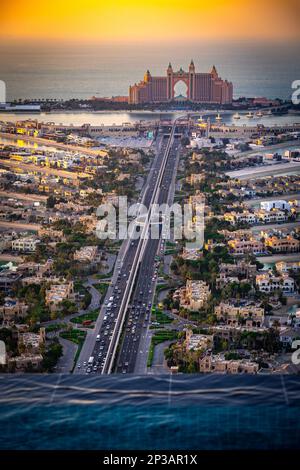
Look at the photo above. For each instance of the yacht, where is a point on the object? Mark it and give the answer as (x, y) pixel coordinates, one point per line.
(219, 118)
(236, 116)
(249, 115)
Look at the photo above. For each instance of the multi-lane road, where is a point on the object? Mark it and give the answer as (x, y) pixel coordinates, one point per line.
(117, 339)
(139, 313)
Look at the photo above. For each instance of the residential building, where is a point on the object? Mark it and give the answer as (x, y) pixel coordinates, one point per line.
(195, 342)
(272, 216)
(275, 204)
(251, 315)
(86, 254)
(268, 282)
(244, 217)
(286, 266)
(8, 279)
(194, 295)
(12, 311)
(241, 268)
(31, 342)
(242, 247)
(284, 244)
(196, 178)
(59, 292)
(26, 361)
(218, 364)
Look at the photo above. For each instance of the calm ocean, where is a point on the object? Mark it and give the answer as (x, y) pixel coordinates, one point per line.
(81, 71)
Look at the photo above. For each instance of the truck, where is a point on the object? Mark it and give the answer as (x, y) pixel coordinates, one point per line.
(91, 361)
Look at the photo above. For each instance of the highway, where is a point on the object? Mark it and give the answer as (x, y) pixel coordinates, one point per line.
(138, 316)
(102, 343)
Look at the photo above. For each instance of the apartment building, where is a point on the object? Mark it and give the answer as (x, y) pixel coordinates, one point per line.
(86, 254)
(245, 217)
(31, 342)
(217, 364)
(275, 204)
(231, 314)
(286, 266)
(12, 311)
(195, 178)
(273, 216)
(243, 247)
(196, 342)
(241, 268)
(57, 293)
(194, 295)
(268, 282)
(285, 244)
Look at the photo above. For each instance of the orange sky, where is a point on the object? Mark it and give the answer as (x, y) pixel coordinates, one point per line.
(145, 20)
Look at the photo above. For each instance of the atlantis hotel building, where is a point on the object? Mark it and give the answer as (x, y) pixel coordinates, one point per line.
(201, 87)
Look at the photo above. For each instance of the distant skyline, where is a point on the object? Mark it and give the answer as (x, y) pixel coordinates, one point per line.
(159, 20)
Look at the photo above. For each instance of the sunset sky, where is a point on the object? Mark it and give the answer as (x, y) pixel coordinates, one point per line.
(132, 20)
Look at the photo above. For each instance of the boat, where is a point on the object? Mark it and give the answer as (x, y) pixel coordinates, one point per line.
(236, 116)
(269, 113)
(259, 114)
(249, 115)
(200, 120)
(219, 118)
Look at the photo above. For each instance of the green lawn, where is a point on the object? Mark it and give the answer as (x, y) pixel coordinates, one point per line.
(159, 337)
(102, 287)
(161, 317)
(93, 315)
(76, 336)
(55, 327)
(104, 276)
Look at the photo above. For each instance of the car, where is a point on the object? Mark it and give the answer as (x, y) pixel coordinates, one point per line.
(84, 363)
(79, 366)
(89, 370)
(95, 368)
